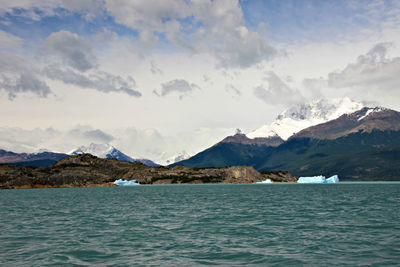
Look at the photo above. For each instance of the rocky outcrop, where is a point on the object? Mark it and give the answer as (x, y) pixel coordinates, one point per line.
(240, 138)
(88, 170)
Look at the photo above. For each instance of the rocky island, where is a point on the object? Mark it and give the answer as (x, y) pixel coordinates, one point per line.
(86, 170)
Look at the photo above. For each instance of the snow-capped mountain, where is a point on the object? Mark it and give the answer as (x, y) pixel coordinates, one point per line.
(178, 157)
(303, 116)
(107, 151)
(365, 120)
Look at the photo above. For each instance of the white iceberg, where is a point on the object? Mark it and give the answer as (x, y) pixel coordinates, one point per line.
(267, 181)
(121, 182)
(318, 180)
(332, 179)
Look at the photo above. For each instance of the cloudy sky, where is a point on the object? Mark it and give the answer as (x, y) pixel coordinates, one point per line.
(155, 78)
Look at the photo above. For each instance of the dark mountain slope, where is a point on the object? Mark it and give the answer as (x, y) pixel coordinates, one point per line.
(229, 152)
(363, 145)
(357, 156)
(30, 159)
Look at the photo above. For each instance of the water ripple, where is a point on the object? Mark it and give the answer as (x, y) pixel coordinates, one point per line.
(200, 225)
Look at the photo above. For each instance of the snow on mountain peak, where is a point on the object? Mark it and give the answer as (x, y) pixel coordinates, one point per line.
(178, 157)
(98, 150)
(107, 151)
(305, 115)
(370, 111)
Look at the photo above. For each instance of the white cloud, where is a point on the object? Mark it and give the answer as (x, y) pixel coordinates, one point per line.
(217, 28)
(24, 140)
(374, 70)
(9, 41)
(146, 14)
(277, 92)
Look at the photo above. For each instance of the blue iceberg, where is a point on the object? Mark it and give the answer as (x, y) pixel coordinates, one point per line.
(318, 180)
(121, 182)
(332, 179)
(267, 181)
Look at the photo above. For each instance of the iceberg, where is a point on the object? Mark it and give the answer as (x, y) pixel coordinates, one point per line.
(318, 180)
(121, 182)
(267, 181)
(332, 179)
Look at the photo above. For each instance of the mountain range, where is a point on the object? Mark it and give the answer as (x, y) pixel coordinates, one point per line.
(30, 159)
(43, 159)
(107, 151)
(327, 137)
(359, 143)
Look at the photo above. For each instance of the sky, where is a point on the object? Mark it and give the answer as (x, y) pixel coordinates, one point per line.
(159, 78)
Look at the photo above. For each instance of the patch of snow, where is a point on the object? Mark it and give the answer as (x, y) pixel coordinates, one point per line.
(122, 182)
(98, 150)
(104, 151)
(178, 157)
(303, 116)
(370, 111)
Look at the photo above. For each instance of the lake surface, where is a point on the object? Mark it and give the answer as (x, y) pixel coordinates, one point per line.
(195, 225)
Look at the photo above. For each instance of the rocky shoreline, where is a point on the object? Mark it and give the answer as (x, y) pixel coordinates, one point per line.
(86, 170)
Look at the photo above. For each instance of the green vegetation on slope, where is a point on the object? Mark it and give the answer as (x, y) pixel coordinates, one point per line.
(358, 156)
(229, 154)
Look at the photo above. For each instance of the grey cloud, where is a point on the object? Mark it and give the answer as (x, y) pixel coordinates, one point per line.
(180, 86)
(21, 140)
(222, 33)
(277, 92)
(243, 48)
(149, 14)
(232, 90)
(23, 82)
(85, 134)
(97, 80)
(154, 69)
(74, 50)
(17, 76)
(374, 70)
(221, 30)
(98, 136)
(30, 140)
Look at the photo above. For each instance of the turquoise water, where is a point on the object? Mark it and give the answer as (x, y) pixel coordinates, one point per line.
(196, 225)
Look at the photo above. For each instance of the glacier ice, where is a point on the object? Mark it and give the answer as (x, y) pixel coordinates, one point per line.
(122, 182)
(332, 179)
(318, 180)
(312, 179)
(267, 181)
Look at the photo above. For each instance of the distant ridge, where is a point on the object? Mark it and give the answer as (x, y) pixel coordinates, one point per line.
(30, 159)
(107, 151)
